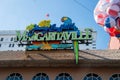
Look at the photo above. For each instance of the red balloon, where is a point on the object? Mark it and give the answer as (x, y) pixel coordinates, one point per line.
(113, 10)
(111, 31)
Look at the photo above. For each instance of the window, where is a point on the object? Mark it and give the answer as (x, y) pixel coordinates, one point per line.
(92, 76)
(1, 39)
(11, 45)
(64, 76)
(11, 39)
(41, 76)
(115, 77)
(94, 47)
(0, 45)
(94, 44)
(87, 48)
(14, 76)
(20, 45)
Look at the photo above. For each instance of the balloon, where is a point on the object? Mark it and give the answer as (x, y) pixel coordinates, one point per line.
(109, 22)
(118, 23)
(100, 17)
(114, 1)
(104, 6)
(113, 10)
(107, 14)
(111, 31)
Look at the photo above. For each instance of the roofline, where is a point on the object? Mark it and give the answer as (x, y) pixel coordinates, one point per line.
(60, 58)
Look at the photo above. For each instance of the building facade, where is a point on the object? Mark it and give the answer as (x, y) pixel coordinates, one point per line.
(18, 64)
(60, 65)
(7, 42)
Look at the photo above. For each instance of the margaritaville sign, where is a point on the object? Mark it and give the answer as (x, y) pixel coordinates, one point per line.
(54, 36)
(45, 36)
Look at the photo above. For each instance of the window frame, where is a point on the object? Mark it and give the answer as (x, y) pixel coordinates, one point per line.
(63, 75)
(2, 39)
(92, 75)
(118, 76)
(38, 75)
(14, 75)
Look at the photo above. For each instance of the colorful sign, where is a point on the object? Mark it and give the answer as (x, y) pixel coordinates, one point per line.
(45, 36)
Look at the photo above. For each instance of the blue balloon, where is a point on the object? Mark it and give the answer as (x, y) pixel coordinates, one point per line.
(109, 22)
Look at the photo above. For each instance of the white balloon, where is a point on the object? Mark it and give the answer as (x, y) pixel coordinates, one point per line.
(113, 10)
(114, 1)
(118, 23)
(105, 28)
(103, 7)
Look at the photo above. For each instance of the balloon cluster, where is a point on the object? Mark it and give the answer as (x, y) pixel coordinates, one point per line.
(107, 14)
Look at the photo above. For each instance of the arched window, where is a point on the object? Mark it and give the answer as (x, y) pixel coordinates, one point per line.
(15, 76)
(92, 76)
(41, 76)
(115, 77)
(64, 76)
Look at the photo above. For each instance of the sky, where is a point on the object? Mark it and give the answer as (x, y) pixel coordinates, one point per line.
(17, 14)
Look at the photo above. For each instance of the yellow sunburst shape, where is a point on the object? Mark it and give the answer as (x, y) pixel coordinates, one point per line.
(46, 46)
